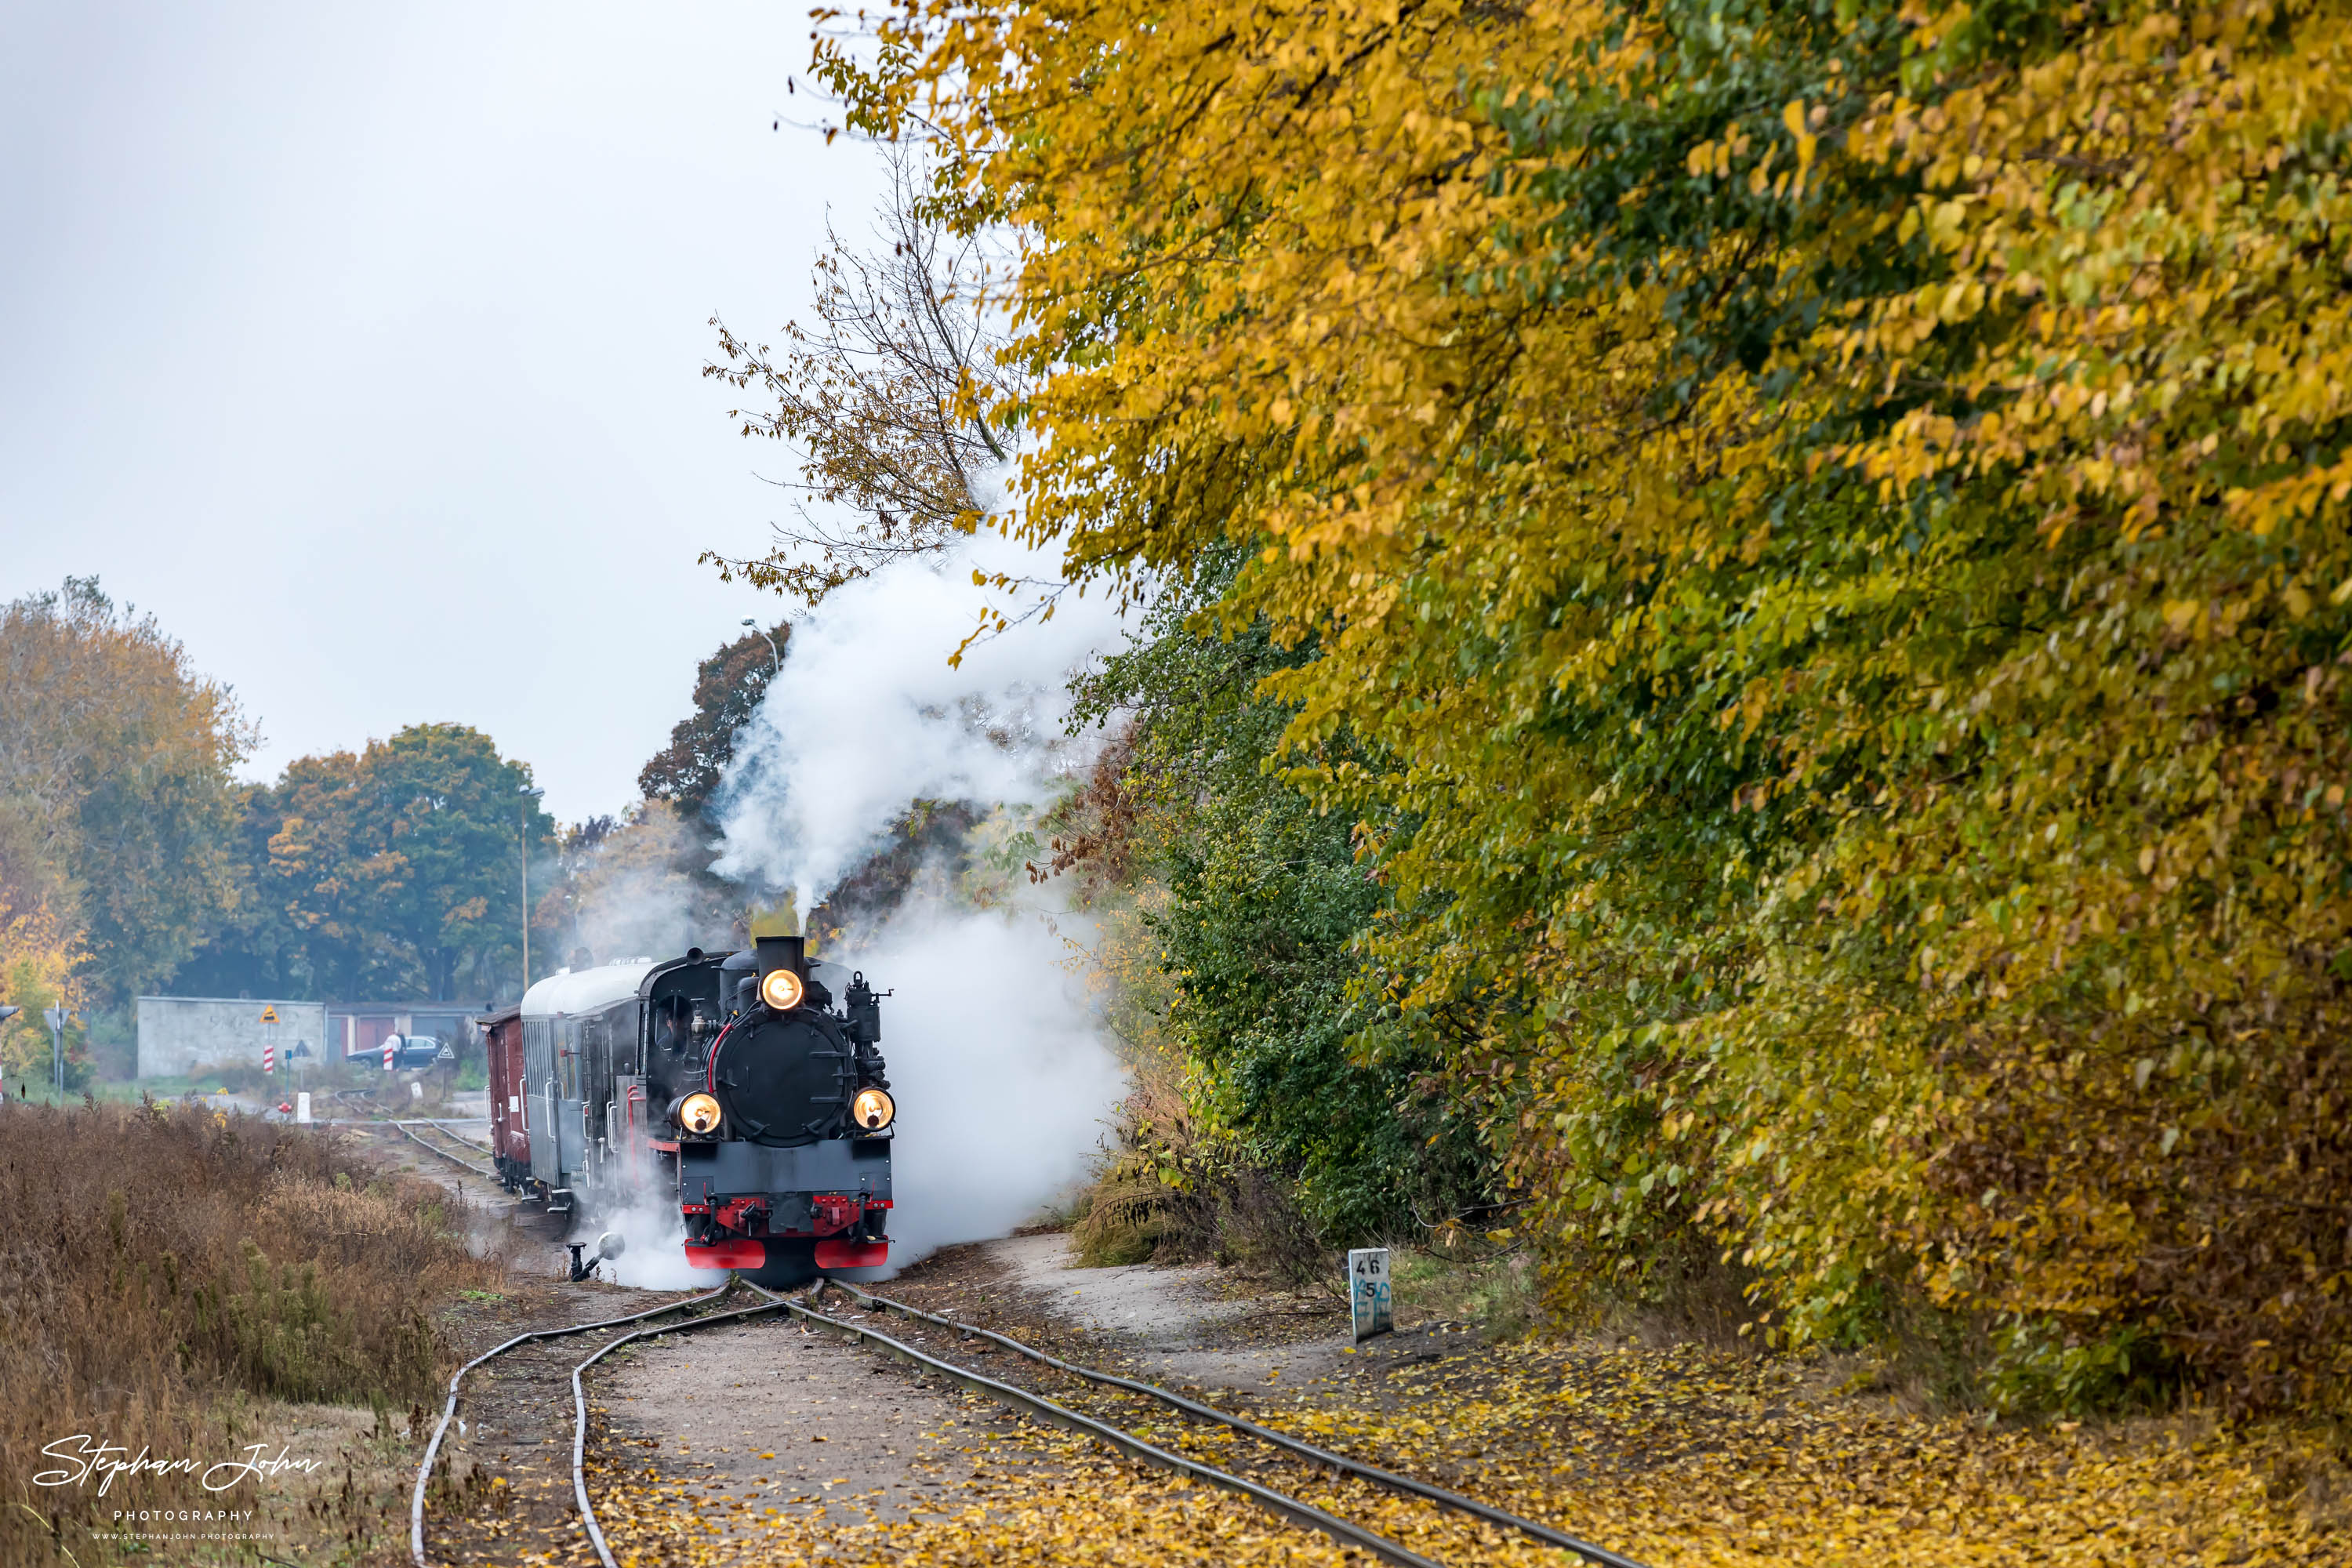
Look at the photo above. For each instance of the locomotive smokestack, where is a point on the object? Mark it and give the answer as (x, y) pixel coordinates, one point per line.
(776, 953)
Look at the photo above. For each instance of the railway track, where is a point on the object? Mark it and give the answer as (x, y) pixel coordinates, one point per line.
(927, 1360)
(1287, 1444)
(442, 1124)
(536, 1336)
(1298, 1511)
(405, 1131)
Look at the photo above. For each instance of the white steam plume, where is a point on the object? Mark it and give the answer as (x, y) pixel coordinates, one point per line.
(653, 1255)
(1001, 1076)
(641, 914)
(868, 715)
(640, 896)
(996, 1059)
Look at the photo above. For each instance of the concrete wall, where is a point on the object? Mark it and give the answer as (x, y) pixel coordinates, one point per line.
(180, 1034)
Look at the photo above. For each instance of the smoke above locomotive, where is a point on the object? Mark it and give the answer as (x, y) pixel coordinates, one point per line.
(731, 1084)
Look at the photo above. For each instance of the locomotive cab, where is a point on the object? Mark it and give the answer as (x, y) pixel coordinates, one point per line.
(770, 1103)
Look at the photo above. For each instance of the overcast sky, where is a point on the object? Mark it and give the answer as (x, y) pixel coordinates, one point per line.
(361, 345)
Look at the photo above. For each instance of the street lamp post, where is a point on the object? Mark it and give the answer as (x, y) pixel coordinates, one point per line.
(772, 646)
(58, 1017)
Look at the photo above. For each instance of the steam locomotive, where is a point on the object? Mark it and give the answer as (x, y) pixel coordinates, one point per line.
(727, 1083)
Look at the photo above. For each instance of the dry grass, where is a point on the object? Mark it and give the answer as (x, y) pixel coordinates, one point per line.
(159, 1264)
(1167, 1194)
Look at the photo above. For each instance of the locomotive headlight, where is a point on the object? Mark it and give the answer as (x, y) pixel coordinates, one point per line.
(698, 1113)
(873, 1109)
(782, 989)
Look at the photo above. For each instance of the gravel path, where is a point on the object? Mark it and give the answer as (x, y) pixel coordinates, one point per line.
(1189, 1325)
(769, 1415)
(1151, 1304)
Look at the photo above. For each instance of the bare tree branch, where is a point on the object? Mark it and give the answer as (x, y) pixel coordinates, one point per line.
(888, 400)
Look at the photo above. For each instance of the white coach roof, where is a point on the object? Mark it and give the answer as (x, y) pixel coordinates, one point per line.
(586, 990)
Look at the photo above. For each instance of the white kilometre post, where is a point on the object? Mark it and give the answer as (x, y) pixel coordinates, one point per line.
(1367, 1291)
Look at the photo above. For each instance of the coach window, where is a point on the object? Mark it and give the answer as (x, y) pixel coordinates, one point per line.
(594, 1038)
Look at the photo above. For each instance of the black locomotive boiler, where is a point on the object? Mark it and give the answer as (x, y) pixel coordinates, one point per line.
(731, 1084)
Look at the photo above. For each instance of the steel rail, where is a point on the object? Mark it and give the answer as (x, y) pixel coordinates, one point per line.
(579, 1408)
(1345, 1531)
(449, 1411)
(1492, 1515)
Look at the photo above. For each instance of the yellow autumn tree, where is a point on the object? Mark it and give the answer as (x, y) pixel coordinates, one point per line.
(117, 805)
(1822, 532)
(39, 953)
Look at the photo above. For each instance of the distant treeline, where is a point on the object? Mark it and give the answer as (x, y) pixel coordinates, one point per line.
(133, 860)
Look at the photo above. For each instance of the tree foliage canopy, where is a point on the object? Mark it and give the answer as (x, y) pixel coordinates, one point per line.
(1825, 526)
(391, 872)
(728, 688)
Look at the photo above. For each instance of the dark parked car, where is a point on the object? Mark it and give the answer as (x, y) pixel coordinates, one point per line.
(410, 1052)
